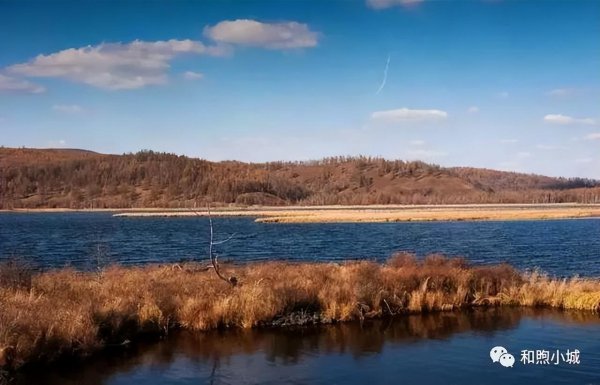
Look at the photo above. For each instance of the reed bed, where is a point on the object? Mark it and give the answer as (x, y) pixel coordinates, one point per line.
(430, 215)
(65, 313)
(375, 213)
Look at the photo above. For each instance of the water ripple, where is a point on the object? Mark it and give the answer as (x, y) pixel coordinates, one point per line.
(82, 240)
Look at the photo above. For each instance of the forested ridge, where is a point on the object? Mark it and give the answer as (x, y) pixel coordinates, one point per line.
(60, 178)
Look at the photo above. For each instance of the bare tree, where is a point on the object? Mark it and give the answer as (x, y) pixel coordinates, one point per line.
(214, 257)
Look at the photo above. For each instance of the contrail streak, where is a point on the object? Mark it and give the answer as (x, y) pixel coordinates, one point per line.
(385, 71)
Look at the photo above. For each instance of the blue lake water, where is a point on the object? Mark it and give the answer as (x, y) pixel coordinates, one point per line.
(443, 348)
(84, 240)
(446, 348)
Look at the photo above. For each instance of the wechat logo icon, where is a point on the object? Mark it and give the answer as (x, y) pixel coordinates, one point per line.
(501, 355)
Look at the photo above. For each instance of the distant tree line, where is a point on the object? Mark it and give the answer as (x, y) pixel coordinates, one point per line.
(152, 179)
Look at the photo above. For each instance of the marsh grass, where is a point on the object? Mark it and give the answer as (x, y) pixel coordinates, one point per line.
(71, 313)
(387, 213)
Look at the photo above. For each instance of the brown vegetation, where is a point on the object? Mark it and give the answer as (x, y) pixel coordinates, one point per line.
(78, 179)
(67, 312)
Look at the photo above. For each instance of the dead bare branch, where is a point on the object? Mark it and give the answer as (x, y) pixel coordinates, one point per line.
(388, 307)
(214, 258)
(224, 241)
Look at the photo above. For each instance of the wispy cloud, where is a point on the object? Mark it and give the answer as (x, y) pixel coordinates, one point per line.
(549, 147)
(509, 141)
(191, 75)
(68, 108)
(284, 35)
(385, 73)
(408, 115)
(502, 95)
(417, 142)
(584, 160)
(383, 4)
(593, 136)
(473, 110)
(567, 120)
(524, 154)
(114, 66)
(11, 84)
(561, 92)
(61, 143)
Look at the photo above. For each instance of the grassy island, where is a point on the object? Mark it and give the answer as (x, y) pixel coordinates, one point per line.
(49, 315)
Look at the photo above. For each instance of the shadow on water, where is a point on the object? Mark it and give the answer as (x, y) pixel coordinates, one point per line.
(214, 357)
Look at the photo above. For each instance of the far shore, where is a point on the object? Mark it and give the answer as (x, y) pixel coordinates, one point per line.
(368, 213)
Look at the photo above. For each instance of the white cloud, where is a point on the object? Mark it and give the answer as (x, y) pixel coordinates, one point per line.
(473, 110)
(523, 154)
(509, 141)
(284, 35)
(502, 95)
(191, 75)
(549, 147)
(10, 84)
(565, 120)
(383, 4)
(408, 115)
(593, 136)
(114, 66)
(561, 92)
(68, 108)
(584, 160)
(417, 142)
(57, 143)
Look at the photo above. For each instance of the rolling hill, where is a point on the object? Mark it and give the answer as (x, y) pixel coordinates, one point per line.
(70, 178)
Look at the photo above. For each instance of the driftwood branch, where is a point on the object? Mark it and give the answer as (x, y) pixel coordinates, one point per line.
(389, 308)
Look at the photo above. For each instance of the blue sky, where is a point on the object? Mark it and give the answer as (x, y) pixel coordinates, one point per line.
(512, 85)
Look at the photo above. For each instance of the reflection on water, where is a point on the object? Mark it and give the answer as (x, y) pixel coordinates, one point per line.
(437, 348)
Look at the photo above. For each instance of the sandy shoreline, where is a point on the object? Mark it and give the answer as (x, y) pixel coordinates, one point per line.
(373, 213)
(391, 214)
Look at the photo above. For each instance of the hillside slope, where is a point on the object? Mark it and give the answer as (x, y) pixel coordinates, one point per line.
(56, 178)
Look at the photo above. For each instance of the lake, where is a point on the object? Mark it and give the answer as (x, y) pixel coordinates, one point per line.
(87, 240)
(442, 348)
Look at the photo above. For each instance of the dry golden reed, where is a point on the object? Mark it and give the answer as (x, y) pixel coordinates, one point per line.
(389, 213)
(67, 312)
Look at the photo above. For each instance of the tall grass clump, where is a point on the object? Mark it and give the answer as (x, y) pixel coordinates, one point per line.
(49, 315)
